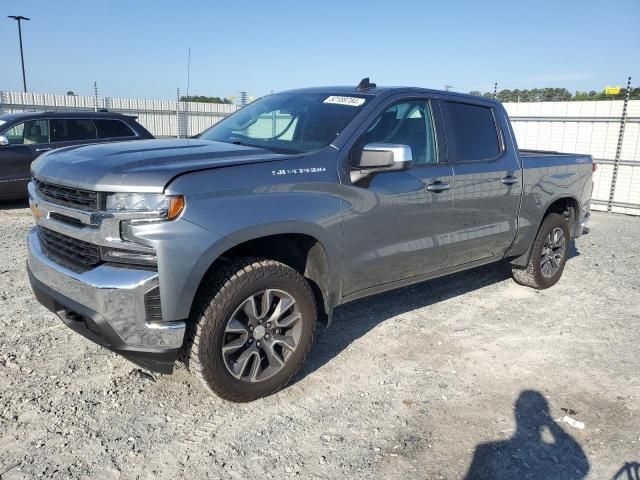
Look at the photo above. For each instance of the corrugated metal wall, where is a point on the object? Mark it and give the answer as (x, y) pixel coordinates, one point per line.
(575, 127)
(163, 118)
(593, 128)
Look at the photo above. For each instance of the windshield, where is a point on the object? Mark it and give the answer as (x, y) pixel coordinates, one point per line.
(289, 122)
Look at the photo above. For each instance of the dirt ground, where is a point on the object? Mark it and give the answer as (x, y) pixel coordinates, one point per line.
(417, 383)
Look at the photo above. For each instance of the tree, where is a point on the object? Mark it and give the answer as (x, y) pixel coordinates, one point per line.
(71, 93)
(203, 99)
(554, 94)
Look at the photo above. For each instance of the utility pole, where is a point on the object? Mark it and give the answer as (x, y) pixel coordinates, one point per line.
(19, 18)
(447, 87)
(616, 162)
(244, 100)
(188, 82)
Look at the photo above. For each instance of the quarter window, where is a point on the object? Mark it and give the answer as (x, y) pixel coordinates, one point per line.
(28, 133)
(406, 123)
(472, 134)
(68, 130)
(113, 129)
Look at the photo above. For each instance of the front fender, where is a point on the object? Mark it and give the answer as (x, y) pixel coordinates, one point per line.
(247, 202)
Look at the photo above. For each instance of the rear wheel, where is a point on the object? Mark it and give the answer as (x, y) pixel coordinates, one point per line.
(252, 329)
(548, 256)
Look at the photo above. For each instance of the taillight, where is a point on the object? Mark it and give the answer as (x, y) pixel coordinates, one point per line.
(594, 166)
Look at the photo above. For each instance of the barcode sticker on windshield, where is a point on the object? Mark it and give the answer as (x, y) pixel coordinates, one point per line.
(350, 101)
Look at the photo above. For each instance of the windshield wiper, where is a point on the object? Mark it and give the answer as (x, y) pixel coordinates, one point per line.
(271, 148)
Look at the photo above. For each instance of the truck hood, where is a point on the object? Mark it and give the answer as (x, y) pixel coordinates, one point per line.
(140, 166)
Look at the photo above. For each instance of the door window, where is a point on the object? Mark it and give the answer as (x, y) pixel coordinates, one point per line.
(406, 123)
(472, 134)
(28, 133)
(68, 130)
(113, 129)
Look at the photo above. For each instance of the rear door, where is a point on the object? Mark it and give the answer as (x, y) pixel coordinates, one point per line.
(66, 132)
(396, 223)
(488, 181)
(27, 140)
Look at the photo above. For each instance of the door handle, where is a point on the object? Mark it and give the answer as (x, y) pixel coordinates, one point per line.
(43, 149)
(438, 187)
(509, 180)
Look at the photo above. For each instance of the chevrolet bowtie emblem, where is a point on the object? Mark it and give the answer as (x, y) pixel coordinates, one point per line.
(36, 211)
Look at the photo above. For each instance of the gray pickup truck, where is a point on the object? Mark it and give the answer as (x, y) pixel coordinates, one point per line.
(226, 250)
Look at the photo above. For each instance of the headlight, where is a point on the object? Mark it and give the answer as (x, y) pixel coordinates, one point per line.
(166, 207)
(127, 256)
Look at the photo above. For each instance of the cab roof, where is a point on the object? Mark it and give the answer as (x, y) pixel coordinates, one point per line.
(377, 91)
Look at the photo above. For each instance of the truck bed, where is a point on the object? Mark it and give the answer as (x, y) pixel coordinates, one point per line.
(547, 153)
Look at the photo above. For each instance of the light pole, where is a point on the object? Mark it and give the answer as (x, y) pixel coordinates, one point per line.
(19, 18)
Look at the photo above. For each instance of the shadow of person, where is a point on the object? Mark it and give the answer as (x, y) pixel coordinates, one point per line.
(540, 448)
(629, 471)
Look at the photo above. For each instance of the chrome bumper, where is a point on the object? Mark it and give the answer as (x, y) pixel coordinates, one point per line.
(112, 297)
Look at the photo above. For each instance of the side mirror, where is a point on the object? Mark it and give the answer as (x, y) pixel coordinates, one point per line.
(3, 140)
(381, 157)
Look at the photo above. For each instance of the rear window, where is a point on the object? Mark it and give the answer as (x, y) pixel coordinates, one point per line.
(472, 134)
(113, 128)
(68, 130)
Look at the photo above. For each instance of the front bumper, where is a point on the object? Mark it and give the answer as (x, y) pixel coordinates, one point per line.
(106, 305)
(584, 223)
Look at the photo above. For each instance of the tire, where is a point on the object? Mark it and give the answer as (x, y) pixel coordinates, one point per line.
(223, 314)
(545, 267)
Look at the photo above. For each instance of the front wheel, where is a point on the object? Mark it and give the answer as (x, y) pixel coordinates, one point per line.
(252, 329)
(548, 256)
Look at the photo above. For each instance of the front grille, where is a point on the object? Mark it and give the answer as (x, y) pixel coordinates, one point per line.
(68, 248)
(73, 197)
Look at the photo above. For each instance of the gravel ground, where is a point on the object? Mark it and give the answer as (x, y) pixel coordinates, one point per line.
(410, 384)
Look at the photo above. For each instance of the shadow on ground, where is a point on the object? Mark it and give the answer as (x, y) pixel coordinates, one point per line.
(13, 204)
(355, 319)
(540, 448)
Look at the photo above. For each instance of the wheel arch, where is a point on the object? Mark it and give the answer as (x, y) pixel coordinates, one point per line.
(314, 259)
(566, 205)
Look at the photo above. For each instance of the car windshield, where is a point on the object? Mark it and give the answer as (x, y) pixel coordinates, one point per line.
(289, 122)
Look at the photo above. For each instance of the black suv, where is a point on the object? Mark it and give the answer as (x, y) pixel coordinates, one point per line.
(24, 136)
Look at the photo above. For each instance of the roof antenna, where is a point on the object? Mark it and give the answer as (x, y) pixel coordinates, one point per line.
(365, 84)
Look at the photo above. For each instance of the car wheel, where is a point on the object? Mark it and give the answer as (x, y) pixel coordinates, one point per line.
(251, 329)
(548, 256)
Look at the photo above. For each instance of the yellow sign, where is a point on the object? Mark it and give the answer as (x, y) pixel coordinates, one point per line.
(612, 90)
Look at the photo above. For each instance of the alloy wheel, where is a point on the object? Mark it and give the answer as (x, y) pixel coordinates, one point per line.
(261, 335)
(553, 252)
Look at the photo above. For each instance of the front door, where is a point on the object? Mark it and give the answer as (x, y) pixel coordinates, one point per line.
(396, 224)
(27, 140)
(488, 183)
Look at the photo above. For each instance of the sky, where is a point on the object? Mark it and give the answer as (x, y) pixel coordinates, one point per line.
(138, 48)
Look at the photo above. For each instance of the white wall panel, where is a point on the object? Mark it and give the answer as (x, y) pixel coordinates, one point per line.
(575, 127)
(592, 128)
(160, 117)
